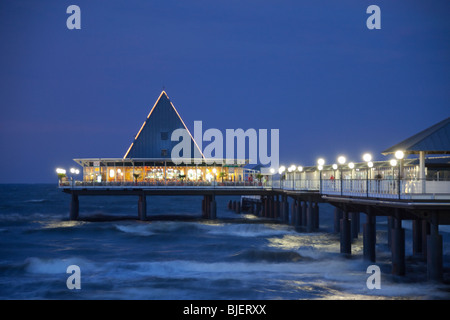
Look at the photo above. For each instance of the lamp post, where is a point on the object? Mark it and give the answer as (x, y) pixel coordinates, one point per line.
(272, 172)
(351, 166)
(341, 160)
(334, 166)
(393, 164)
(320, 163)
(214, 171)
(320, 167)
(399, 155)
(280, 171)
(292, 170)
(367, 157)
(369, 166)
(73, 171)
(300, 169)
(61, 174)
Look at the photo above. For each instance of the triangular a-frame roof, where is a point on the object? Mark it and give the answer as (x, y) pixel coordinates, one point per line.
(153, 141)
(435, 139)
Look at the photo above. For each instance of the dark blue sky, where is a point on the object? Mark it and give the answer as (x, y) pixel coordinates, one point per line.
(309, 68)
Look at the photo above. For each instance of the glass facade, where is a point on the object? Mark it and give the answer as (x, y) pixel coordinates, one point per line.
(158, 171)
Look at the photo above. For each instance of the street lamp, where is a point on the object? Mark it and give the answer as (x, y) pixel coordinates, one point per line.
(320, 163)
(60, 171)
(320, 167)
(393, 164)
(73, 171)
(61, 174)
(351, 166)
(369, 167)
(399, 155)
(341, 160)
(334, 166)
(300, 169)
(367, 157)
(280, 171)
(272, 172)
(294, 168)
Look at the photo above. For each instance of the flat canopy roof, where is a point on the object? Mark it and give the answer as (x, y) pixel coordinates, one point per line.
(433, 140)
(179, 161)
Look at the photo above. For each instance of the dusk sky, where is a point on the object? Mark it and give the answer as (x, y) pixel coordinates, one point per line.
(311, 69)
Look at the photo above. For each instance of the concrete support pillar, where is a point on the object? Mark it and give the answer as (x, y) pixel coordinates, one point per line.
(434, 251)
(286, 211)
(417, 237)
(265, 207)
(398, 248)
(74, 207)
(390, 225)
(425, 233)
(310, 217)
(316, 216)
(337, 219)
(298, 214)
(369, 237)
(205, 207)
(354, 220)
(304, 213)
(142, 207)
(293, 212)
(258, 209)
(213, 209)
(346, 238)
(272, 207)
(276, 213)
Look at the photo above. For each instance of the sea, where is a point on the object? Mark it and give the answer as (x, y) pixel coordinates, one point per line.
(177, 255)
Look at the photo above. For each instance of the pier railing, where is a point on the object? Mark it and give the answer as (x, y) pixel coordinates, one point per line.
(144, 184)
(370, 188)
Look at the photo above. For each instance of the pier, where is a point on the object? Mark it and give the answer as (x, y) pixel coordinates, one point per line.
(291, 202)
(402, 188)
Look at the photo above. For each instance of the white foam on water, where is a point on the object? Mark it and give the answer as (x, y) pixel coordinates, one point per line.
(248, 230)
(56, 266)
(140, 230)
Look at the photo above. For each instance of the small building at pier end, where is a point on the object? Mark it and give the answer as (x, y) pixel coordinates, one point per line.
(149, 161)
